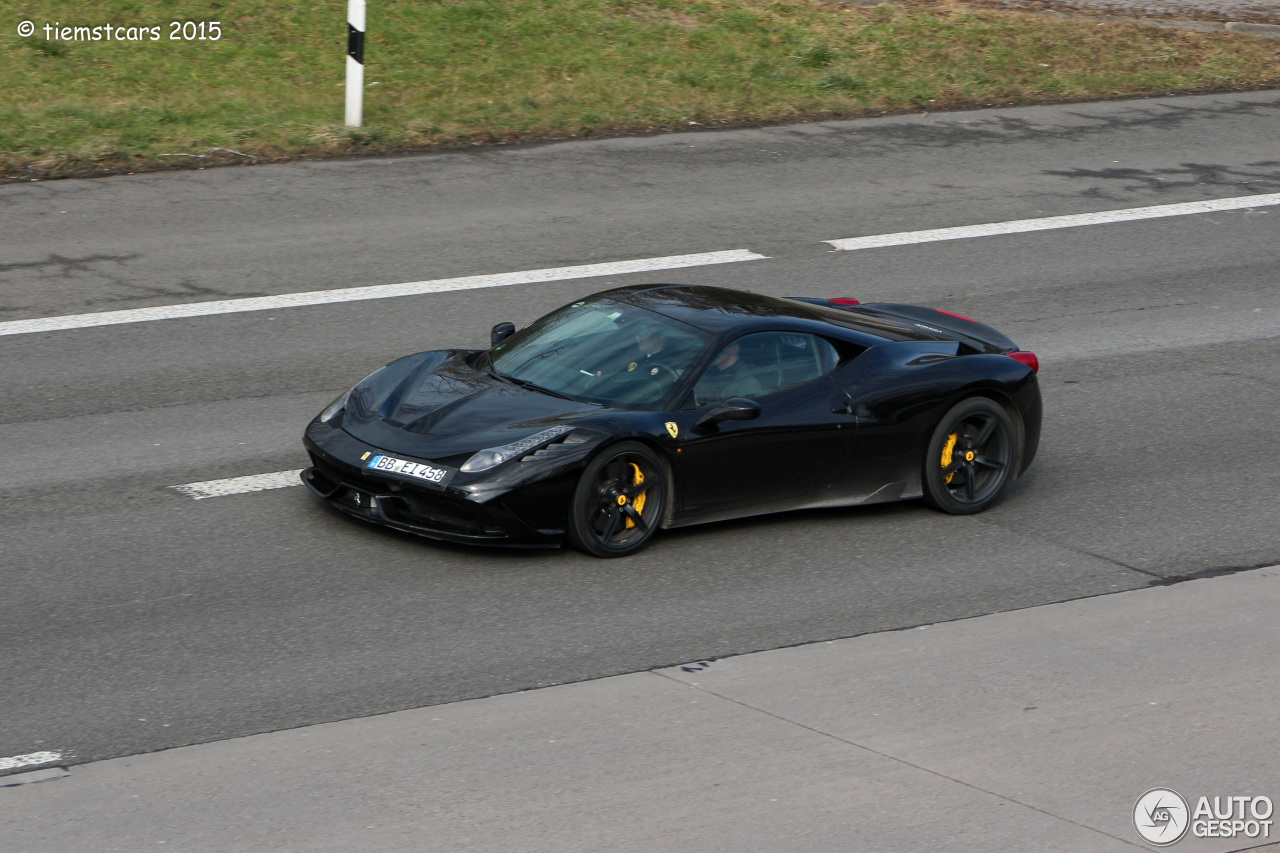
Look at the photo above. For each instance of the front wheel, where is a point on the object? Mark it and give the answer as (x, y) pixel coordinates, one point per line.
(619, 501)
(969, 457)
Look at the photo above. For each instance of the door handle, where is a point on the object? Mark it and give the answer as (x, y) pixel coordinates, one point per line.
(843, 409)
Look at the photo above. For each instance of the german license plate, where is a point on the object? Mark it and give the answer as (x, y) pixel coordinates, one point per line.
(421, 470)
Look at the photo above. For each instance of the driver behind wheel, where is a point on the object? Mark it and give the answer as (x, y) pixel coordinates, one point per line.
(656, 354)
(652, 342)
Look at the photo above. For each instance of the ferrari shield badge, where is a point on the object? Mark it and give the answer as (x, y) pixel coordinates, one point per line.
(632, 366)
(673, 429)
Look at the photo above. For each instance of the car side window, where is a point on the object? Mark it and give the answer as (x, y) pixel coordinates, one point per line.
(764, 363)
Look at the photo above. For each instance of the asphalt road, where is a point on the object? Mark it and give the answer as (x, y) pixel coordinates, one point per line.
(1248, 11)
(134, 618)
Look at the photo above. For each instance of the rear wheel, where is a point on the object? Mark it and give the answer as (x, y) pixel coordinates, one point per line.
(970, 457)
(619, 501)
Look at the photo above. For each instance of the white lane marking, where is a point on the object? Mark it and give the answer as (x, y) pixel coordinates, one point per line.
(1019, 226)
(240, 485)
(29, 760)
(375, 291)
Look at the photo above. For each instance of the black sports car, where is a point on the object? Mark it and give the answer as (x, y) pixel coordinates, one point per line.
(666, 405)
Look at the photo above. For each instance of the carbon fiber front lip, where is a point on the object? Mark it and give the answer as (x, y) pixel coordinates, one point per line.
(375, 513)
(330, 447)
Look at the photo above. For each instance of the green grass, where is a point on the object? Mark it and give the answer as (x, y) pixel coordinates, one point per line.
(459, 71)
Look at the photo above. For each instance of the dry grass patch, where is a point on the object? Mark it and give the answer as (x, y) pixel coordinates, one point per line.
(448, 72)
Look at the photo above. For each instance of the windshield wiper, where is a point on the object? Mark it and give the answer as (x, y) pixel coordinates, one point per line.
(525, 383)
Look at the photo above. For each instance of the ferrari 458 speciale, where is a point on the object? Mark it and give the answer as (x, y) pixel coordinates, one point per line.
(658, 406)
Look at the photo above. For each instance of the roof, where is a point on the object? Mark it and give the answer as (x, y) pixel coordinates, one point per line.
(724, 312)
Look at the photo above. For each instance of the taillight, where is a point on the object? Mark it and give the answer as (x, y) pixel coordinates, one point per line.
(954, 314)
(1027, 358)
(844, 300)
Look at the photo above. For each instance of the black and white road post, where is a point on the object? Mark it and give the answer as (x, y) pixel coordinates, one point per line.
(355, 62)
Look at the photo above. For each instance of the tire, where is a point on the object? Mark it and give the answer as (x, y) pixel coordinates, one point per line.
(619, 501)
(969, 457)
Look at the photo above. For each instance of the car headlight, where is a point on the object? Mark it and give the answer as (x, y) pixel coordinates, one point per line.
(491, 457)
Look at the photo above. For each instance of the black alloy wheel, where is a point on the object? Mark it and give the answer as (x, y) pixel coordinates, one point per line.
(970, 457)
(619, 502)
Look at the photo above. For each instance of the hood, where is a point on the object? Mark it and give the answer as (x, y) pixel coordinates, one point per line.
(435, 405)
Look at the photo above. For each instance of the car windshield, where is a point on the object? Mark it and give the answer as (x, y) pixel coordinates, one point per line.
(604, 352)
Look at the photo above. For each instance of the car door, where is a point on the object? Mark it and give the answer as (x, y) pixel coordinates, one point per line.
(794, 449)
(894, 403)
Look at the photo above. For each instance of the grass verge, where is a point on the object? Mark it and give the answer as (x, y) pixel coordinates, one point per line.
(444, 72)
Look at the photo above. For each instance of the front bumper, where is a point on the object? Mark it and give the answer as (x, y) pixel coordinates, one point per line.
(435, 512)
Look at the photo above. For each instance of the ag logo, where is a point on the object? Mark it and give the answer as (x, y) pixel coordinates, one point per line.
(673, 428)
(1161, 816)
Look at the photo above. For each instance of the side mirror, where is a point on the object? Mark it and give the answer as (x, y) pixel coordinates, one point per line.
(733, 409)
(501, 332)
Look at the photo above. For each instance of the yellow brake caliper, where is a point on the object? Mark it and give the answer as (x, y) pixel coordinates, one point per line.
(946, 452)
(638, 501)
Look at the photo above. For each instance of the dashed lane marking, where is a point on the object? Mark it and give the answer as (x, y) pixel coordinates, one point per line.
(376, 291)
(31, 759)
(415, 288)
(1020, 226)
(240, 485)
